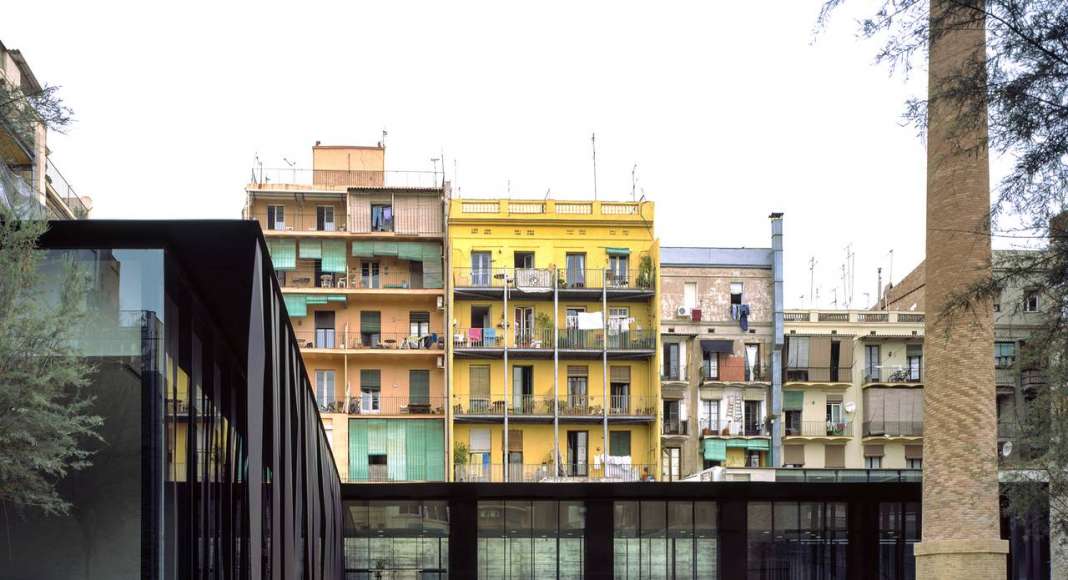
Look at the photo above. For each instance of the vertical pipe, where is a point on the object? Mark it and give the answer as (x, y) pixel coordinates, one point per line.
(776, 352)
(507, 385)
(556, 377)
(604, 366)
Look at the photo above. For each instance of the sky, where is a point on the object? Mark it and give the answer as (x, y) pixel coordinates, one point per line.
(730, 110)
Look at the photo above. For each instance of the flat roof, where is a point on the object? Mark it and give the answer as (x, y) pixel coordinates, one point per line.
(715, 257)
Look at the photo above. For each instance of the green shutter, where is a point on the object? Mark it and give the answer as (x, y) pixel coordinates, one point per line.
(315, 299)
(758, 444)
(370, 379)
(371, 321)
(715, 450)
(296, 305)
(435, 450)
(376, 436)
(618, 252)
(335, 298)
(793, 400)
(619, 443)
(415, 450)
(431, 251)
(386, 248)
(396, 451)
(432, 273)
(283, 254)
(737, 443)
(311, 249)
(358, 470)
(363, 249)
(410, 251)
(334, 256)
(418, 387)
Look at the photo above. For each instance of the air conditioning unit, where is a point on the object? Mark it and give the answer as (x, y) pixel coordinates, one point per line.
(441, 303)
(682, 312)
(441, 362)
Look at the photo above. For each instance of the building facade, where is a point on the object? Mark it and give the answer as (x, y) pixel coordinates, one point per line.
(553, 326)
(27, 174)
(358, 251)
(719, 336)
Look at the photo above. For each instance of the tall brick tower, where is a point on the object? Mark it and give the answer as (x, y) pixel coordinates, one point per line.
(960, 486)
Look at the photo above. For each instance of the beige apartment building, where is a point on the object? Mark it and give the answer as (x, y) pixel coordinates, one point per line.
(358, 252)
(27, 172)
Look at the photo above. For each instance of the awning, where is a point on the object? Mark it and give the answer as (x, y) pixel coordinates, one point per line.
(618, 251)
(412, 251)
(793, 400)
(311, 249)
(283, 254)
(715, 450)
(737, 443)
(726, 346)
(363, 249)
(296, 305)
(334, 256)
(759, 444)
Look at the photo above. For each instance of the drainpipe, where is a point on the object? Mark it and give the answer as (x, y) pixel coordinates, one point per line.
(776, 352)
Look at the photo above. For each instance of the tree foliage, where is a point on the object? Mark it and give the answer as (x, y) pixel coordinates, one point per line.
(45, 419)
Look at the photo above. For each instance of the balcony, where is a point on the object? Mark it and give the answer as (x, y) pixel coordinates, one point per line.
(65, 192)
(388, 279)
(408, 222)
(893, 428)
(818, 374)
(894, 374)
(819, 429)
(545, 473)
(539, 343)
(755, 374)
(373, 404)
(628, 284)
(328, 339)
(578, 408)
(721, 428)
(288, 178)
(675, 426)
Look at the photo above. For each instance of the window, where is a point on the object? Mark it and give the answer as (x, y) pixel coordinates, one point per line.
(914, 358)
(1031, 301)
(381, 217)
(419, 324)
(481, 270)
(524, 259)
(619, 443)
(1004, 355)
(671, 465)
(736, 293)
(418, 391)
(370, 328)
(672, 426)
(577, 385)
(793, 422)
(753, 372)
(710, 368)
(369, 277)
(576, 271)
(480, 389)
(872, 364)
(689, 295)
(324, 388)
(873, 462)
(793, 455)
(618, 275)
(276, 217)
(619, 384)
(709, 416)
(527, 539)
(657, 539)
(523, 402)
(914, 463)
(753, 419)
(370, 390)
(671, 361)
(324, 218)
(835, 418)
(324, 329)
(789, 539)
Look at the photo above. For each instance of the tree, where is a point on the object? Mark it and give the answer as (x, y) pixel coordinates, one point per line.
(1022, 88)
(44, 421)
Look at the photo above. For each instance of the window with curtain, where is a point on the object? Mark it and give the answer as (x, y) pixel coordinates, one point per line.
(370, 390)
(671, 361)
(381, 217)
(619, 443)
(1004, 355)
(370, 328)
(276, 217)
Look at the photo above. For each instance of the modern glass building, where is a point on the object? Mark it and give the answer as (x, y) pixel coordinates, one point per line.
(212, 461)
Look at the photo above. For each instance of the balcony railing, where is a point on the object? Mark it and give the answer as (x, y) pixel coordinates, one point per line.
(64, 190)
(819, 429)
(891, 374)
(676, 426)
(541, 278)
(370, 403)
(341, 178)
(893, 428)
(408, 222)
(756, 374)
(538, 405)
(546, 473)
(722, 428)
(396, 279)
(330, 339)
(839, 374)
(568, 339)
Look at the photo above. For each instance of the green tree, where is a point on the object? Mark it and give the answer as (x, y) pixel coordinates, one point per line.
(44, 409)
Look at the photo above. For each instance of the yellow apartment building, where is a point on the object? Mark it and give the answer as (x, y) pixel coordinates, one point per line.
(358, 251)
(553, 330)
(853, 389)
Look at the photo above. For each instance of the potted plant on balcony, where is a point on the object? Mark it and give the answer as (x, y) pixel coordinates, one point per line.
(645, 272)
(460, 456)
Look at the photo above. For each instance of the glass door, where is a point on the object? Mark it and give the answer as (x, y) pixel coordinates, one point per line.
(577, 445)
(480, 269)
(576, 271)
(524, 327)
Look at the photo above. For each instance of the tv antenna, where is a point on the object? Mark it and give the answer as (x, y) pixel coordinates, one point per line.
(593, 143)
(811, 279)
(633, 180)
(292, 166)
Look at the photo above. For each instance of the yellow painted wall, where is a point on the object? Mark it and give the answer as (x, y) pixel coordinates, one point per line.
(394, 369)
(538, 441)
(642, 389)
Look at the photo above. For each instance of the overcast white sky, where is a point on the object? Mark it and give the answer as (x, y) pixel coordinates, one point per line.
(731, 110)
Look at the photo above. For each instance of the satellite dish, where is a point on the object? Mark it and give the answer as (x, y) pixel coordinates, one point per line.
(850, 407)
(1006, 449)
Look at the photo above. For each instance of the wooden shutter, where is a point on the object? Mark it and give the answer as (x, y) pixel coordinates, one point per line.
(370, 379)
(515, 440)
(419, 387)
(619, 374)
(619, 443)
(914, 452)
(834, 456)
(480, 382)
(873, 451)
(578, 371)
(480, 441)
(371, 321)
(793, 455)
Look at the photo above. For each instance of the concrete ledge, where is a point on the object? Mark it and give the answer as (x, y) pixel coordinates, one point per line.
(950, 547)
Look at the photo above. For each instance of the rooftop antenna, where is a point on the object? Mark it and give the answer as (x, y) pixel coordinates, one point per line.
(292, 166)
(633, 180)
(548, 191)
(890, 274)
(593, 142)
(382, 143)
(811, 278)
(879, 288)
(435, 160)
(259, 164)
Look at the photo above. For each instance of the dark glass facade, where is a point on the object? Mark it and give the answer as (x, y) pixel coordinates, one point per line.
(213, 462)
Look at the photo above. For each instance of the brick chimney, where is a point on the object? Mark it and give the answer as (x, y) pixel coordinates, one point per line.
(961, 535)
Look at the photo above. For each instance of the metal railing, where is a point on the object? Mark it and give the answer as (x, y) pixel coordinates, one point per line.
(546, 473)
(891, 374)
(396, 278)
(722, 428)
(839, 374)
(408, 222)
(472, 338)
(369, 403)
(568, 339)
(630, 405)
(539, 405)
(64, 190)
(543, 278)
(756, 374)
(819, 429)
(893, 428)
(342, 178)
(331, 339)
(676, 426)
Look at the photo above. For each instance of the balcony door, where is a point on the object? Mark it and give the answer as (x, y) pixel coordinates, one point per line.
(524, 327)
(324, 218)
(481, 269)
(618, 271)
(524, 260)
(576, 270)
(523, 390)
(577, 446)
(324, 329)
(753, 419)
(276, 217)
(871, 363)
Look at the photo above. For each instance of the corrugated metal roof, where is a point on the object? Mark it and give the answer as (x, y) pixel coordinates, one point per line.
(748, 257)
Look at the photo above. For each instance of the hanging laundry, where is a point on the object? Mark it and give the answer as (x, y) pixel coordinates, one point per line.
(590, 321)
(743, 319)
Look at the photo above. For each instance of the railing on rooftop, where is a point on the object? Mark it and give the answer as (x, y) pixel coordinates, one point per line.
(544, 207)
(408, 221)
(65, 192)
(886, 317)
(341, 178)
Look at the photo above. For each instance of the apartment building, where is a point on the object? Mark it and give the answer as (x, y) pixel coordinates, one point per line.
(27, 173)
(553, 346)
(719, 342)
(853, 389)
(358, 252)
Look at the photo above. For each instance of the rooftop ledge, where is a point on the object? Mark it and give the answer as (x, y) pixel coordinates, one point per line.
(490, 209)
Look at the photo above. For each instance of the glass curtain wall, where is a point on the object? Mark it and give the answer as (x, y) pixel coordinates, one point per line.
(797, 540)
(396, 539)
(666, 540)
(531, 539)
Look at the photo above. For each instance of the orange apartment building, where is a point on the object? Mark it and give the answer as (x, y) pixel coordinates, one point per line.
(358, 253)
